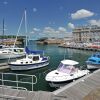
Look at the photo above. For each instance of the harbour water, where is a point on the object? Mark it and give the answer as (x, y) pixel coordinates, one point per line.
(56, 54)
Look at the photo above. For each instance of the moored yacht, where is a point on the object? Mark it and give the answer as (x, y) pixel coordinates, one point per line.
(66, 72)
(33, 60)
(93, 61)
(10, 52)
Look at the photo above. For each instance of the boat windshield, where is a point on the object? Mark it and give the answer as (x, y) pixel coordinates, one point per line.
(66, 68)
(30, 56)
(35, 58)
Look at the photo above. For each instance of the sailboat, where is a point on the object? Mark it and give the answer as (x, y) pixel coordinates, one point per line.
(34, 58)
(7, 52)
(2, 39)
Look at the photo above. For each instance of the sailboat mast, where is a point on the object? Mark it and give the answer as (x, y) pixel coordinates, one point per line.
(26, 26)
(3, 31)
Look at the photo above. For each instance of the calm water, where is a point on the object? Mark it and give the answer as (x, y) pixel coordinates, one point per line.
(56, 55)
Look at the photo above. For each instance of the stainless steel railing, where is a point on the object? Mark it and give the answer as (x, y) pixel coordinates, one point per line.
(18, 79)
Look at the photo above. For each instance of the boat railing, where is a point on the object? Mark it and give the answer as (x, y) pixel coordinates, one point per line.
(18, 80)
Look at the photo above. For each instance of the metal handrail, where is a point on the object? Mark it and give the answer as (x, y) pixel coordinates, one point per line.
(13, 87)
(17, 81)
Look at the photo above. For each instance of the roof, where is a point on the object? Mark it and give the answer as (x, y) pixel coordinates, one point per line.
(69, 62)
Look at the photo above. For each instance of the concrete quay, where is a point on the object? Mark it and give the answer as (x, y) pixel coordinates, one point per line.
(80, 48)
(81, 88)
(77, 90)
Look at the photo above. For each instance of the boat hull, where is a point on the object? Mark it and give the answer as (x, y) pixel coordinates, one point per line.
(59, 79)
(62, 83)
(7, 56)
(28, 66)
(93, 66)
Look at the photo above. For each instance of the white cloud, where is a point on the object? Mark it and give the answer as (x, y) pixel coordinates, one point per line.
(81, 14)
(36, 29)
(32, 32)
(34, 9)
(5, 2)
(50, 30)
(94, 22)
(62, 29)
(71, 26)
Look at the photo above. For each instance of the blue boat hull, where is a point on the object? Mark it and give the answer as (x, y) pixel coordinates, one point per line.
(28, 66)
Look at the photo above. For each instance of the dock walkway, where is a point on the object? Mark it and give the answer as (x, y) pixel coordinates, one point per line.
(81, 88)
(14, 94)
(7, 93)
(76, 90)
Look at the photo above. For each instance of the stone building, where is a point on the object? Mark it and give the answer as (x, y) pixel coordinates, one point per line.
(86, 34)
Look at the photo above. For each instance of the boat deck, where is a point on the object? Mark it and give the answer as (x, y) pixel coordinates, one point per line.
(4, 66)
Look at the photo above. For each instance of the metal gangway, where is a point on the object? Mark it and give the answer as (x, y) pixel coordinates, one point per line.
(11, 85)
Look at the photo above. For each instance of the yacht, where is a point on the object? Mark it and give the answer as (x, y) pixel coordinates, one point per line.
(93, 61)
(65, 73)
(7, 53)
(33, 60)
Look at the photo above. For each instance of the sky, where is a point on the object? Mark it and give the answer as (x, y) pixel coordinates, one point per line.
(48, 18)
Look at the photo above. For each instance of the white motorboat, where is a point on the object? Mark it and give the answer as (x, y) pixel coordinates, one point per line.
(32, 60)
(6, 53)
(4, 46)
(66, 72)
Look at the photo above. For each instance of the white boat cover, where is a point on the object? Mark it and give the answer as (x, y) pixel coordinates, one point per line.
(69, 62)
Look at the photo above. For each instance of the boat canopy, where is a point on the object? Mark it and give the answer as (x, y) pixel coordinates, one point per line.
(94, 59)
(96, 55)
(33, 51)
(69, 62)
